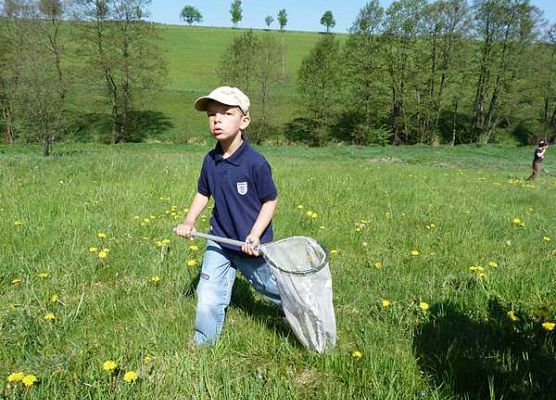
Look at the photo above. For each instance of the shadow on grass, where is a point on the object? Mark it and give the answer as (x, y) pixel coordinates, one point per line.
(492, 358)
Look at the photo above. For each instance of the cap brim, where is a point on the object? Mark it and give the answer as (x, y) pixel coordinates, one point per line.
(201, 103)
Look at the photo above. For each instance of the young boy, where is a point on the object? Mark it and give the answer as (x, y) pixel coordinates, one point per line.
(538, 160)
(245, 198)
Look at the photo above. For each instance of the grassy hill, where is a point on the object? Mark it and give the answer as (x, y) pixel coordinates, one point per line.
(193, 53)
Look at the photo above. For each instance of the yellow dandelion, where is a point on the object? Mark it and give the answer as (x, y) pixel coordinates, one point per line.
(15, 377)
(130, 376)
(43, 275)
(386, 303)
(309, 214)
(378, 265)
(546, 239)
(103, 254)
(29, 380)
(191, 263)
(549, 326)
(193, 248)
(147, 359)
(93, 249)
(158, 243)
(512, 316)
(315, 215)
(492, 264)
(49, 316)
(54, 298)
(333, 251)
(101, 235)
(300, 207)
(424, 306)
(155, 279)
(165, 242)
(414, 252)
(18, 223)
(17, 281)
(356, 354)
(146, 220)
(109, 365)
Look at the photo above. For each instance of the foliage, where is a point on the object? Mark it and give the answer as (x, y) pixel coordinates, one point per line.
(269, 19)
(282, 18)
(328, 20)
(191, 14)
(236, 12)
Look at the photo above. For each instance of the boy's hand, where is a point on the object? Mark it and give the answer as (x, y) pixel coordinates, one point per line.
(251, 242)
(185, 230)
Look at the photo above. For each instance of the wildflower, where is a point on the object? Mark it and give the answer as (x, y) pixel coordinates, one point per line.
(103, 254)
(476, 268)
(18, 223)
(315, 215)
(191, 263)
(300, 207)
(193, 248)
(549, 326)
(155, 279)
(512, 316)
(54, 298)
(17, 281)
(44, 275)
(146, 220)
(378, 265)
(386, 303)
(518, 222)
(546, 239)
(333, 251)
(130, 376)
(321, 227)
(109, 365)
(147, 359)
(15, 377)
(309, 214)
(93, 249)
(49, 316)
(101, 235)
(424, 306)
(364, 244)
(29, 380)
(493, 264)
(356, 354)
(414, 252)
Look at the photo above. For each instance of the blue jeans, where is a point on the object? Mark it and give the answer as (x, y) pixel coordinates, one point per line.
(214, 290)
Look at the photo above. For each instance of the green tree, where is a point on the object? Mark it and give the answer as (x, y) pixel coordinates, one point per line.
(318, 83)
(282, 19)
(236, 12)
(268, 21)
(328, 20)
(191, 15)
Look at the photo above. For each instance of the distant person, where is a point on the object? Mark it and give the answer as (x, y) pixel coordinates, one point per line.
(240, 181)
(538, 160)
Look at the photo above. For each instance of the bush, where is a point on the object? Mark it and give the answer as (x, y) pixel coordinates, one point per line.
(366, 135)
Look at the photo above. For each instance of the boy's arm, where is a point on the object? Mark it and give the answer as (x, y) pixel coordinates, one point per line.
(262, 222)
(198, 204)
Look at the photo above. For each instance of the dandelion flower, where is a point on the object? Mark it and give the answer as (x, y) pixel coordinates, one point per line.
(300, 207)
(386, 303)
(546, 239)
(15, 377)
(493, 264)
(309, 214)
(333, 251)
(17, 281)
(147, 359)
(155, 279)
(378, 265)
(49, 316)
(44, 275)
(93, 249)
(512, 316)
(109, 365)
(54, 298)
(101, 235)
(29, 380)
(103, 254)
(315, 215)
(191, 263)
(549, 326)
(130, 376)
(424, 306)
(356, 354)
(193, 248)
(414, 252)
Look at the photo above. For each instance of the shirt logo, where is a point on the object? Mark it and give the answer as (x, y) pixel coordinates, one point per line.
(242, 188)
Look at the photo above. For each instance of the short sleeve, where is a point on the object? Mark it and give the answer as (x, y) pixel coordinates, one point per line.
(262, 177)
(203, 182)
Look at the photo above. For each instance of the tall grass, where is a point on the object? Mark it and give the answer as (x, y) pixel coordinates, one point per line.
(442, 261)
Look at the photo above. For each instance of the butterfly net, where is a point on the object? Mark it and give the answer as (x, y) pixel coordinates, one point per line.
(302, 273)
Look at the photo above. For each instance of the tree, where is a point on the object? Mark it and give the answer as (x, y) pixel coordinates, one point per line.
(282, 19)
(318, 85)
(268, 21)
(328, 20)
(236, 12)
(191, 14)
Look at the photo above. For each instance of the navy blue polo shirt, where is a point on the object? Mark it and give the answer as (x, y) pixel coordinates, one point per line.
(239, 184)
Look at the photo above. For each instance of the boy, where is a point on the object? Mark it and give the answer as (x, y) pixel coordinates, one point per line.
(245, 198)
(538, 160)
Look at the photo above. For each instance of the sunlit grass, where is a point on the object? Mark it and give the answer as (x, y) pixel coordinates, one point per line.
(441, 259)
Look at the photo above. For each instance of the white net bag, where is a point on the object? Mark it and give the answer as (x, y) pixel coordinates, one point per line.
(300, 266)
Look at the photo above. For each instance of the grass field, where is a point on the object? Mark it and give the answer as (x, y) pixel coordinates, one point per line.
(442, 262)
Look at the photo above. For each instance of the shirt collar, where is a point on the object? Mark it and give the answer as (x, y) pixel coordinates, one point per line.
(235, 158)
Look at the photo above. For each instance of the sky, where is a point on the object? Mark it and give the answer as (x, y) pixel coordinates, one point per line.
(303, 15)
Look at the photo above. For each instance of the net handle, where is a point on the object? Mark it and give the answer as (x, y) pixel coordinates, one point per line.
(220, 239)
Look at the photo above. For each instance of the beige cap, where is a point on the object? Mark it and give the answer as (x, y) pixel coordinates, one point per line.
(231, 96)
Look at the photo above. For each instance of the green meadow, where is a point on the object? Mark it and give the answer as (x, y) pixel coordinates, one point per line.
(442, 262)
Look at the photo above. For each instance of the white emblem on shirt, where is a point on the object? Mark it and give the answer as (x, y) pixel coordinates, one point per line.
(242, 188)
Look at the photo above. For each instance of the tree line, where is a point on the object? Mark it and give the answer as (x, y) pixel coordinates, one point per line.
(40, 77)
